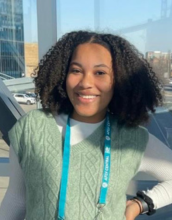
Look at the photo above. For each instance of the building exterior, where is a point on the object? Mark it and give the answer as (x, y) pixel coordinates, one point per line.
(31, 57)
(161, 63)
(12, 61)
(153, 54)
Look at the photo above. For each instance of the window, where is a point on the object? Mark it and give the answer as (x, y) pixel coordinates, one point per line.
(18, 58)
(146, 24)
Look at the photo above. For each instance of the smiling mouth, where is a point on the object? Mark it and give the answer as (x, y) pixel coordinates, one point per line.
(87, 96)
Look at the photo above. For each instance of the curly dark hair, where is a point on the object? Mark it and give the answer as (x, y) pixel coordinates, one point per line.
(136, 90)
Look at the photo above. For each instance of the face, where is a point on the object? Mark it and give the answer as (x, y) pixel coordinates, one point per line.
(90, 82)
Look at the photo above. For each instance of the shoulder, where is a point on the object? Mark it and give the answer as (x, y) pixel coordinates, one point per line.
(127, 129)
(36, 113)
(143, 131)
(137, 134)
(34, 117)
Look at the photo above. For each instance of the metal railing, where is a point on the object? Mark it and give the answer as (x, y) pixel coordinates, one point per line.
(4, 76)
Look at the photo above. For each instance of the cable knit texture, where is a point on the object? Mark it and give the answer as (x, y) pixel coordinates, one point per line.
(41, 160)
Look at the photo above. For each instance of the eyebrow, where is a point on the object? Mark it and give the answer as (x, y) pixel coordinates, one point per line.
(75, 63)
(102, 65)
(99, 65)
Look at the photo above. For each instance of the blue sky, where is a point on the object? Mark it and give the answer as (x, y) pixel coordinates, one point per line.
(114, 15)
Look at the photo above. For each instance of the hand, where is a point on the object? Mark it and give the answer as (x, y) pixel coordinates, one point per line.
(132, 210)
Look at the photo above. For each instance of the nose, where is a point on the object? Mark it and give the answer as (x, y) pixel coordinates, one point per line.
(87, 80)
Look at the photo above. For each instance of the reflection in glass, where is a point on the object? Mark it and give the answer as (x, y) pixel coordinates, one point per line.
(12, 38)
(4, 156)
(146, 24)
(18, 47)
(169, 136)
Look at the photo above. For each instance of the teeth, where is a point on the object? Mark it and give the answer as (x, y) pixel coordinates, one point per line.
(87, 96)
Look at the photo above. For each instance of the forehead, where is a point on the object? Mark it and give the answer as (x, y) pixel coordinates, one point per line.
(92, 52)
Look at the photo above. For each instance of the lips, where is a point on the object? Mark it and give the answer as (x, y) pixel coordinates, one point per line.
(85, 98)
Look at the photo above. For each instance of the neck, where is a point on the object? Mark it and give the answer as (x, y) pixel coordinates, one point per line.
(88, 119)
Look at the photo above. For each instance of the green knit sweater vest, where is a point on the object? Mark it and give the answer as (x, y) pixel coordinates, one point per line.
(38, 144)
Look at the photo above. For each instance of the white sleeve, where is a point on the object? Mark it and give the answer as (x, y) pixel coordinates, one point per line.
(13, 204)
(157, 162)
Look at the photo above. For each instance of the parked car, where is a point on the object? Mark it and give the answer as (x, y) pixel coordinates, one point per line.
(170, 81)
(23, 98)
(31, 94)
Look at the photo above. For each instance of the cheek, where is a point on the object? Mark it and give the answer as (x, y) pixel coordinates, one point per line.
(106, 87)
(68, 87)
(69, 83)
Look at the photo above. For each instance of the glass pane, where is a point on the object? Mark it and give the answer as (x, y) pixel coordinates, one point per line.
(12, 38)
(73, 16)
(146, 24)
(4, 158)
(18, 59)
(19, 48)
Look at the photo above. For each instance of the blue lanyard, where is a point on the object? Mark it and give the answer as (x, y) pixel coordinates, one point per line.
(65, 168)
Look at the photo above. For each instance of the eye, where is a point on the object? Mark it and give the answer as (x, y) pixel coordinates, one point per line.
(99, 73)
(75, 71)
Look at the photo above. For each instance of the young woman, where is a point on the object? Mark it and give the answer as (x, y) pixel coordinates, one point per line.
(74, 158)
